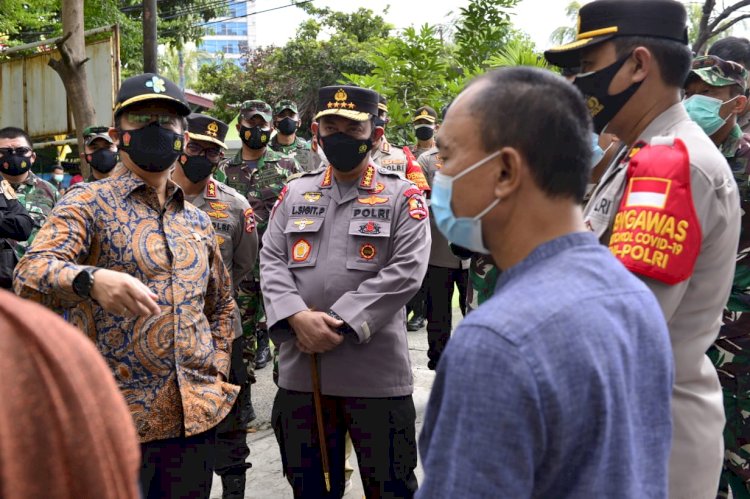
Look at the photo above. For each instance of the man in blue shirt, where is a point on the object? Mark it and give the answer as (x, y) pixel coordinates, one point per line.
(560, 384)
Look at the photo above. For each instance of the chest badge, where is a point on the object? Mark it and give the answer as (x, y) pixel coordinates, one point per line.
(367, 251)
(312, 196)
(373, 200)
(301, 250)
(369, 228)
(301, 224)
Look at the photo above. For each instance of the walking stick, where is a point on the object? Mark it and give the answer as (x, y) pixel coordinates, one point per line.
(319, 418)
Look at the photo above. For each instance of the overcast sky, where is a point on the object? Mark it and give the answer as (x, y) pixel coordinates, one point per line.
(538, 18)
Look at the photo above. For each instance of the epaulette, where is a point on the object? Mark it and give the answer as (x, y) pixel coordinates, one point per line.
(229, 190)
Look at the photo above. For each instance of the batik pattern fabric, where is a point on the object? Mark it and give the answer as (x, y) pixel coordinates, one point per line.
(166, 365)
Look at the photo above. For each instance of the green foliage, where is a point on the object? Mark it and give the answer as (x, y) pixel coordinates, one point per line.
(483, 28)
(303, 65)
(565, 34)
(519, 51)
(409, 71)
(22, 21)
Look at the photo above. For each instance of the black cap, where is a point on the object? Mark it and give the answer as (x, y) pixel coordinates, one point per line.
(382, 103)
(602, 20)
(149, 86)
(354, 103)
(208, 128)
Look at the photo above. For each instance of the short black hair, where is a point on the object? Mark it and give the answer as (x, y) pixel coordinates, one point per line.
(673, 57)
(58, 167)
(11, 132)
(732, 48)
(541, 106)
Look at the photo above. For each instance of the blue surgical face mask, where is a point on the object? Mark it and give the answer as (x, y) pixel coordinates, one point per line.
(596, 151)
(704, 110)
(463, 231)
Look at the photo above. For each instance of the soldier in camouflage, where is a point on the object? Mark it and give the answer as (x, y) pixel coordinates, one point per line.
(234, 224)
(723, 84)
(259, 173)
(35, 194)
(286, 122)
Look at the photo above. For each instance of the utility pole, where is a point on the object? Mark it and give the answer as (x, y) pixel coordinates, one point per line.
(149, 36)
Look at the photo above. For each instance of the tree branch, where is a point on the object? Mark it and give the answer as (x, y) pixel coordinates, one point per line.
(728, 25)
(726, 13)
(84, 61)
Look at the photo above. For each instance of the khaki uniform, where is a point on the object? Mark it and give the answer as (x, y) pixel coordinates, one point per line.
(391, 158)
(234, 224)
(359, 250)
(693, 307)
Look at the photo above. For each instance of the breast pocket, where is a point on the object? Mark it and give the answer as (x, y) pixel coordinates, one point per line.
(303, 241)
(367, 247)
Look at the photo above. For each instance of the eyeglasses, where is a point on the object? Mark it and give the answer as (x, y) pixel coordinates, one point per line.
(137, 118)
(10, 151)
(213, 154)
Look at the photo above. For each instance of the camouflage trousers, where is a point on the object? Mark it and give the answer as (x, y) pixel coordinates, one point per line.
(250, 302)
(732, 360)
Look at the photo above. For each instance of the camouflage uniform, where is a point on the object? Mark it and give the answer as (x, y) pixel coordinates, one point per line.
(483, 274)
(731, 351)
(38, 197)
(299, 150)
(261, 186)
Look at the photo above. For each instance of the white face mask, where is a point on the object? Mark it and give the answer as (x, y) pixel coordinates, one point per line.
(58, 177)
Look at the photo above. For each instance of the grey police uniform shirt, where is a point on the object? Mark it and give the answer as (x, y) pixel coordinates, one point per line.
(440, 251)
(234, 224)
(361, 252)
(391, 158)
(692, 308)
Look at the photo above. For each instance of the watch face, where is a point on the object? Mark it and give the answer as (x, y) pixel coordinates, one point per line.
(82, 283)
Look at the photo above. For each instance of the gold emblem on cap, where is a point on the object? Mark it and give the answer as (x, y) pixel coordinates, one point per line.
(424, 112)
(212, 129)
(340, 95)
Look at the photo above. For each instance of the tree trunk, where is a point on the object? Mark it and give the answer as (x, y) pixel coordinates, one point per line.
(72, 71)
(149, 36)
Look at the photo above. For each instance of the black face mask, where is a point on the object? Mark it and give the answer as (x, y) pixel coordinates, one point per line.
(153, 148)
(255, 137)
(343, 151)
(424, 132)
(380, 122)
(15, 164)
(595, 88)
(196, 168)
(102, 160)
(287, 126)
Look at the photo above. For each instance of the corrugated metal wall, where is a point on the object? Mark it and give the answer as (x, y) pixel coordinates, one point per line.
(32, 95)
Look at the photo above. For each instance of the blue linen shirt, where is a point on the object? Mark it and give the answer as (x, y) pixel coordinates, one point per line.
(558, 386)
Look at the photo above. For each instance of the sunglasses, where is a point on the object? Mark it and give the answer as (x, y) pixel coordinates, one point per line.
(10, 151)
(213, 154)
(137, 118)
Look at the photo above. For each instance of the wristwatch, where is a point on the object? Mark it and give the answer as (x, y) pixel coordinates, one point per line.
(83, 282)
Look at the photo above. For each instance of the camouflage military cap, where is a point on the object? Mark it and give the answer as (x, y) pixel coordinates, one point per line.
(91, 133)
(283, 105)
(252, 108)
(719, 73)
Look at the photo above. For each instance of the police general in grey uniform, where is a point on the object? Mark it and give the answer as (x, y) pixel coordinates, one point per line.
(345, 249)
(234, 225)
(634, 60)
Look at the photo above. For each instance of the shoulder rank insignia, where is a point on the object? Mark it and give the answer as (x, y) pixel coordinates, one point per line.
(373, 200)
(367, 177)
(211, 190)
(327, 177)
